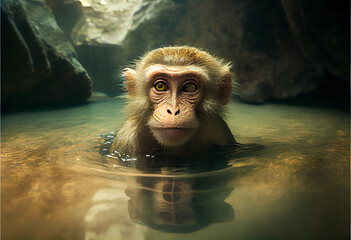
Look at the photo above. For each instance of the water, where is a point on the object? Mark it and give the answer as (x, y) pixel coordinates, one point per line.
(290, 180)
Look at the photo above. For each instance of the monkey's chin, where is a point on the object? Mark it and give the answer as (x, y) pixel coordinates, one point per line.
(172, 137)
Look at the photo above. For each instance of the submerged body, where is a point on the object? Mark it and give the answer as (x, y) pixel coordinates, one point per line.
(176, 100)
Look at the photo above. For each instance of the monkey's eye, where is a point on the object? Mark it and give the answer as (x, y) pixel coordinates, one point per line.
(189, 87)
(161, 86)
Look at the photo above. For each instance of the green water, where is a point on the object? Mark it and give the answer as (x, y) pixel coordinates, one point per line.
(290, 180)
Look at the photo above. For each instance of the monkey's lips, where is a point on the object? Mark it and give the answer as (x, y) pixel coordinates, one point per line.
(173, 132)
(173, 136)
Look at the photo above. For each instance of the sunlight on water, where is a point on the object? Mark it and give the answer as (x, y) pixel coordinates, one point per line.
(289, 180)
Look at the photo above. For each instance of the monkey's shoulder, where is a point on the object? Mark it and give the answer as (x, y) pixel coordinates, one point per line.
(216, 132)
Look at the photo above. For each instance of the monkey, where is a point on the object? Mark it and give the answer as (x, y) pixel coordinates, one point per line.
(176, 99)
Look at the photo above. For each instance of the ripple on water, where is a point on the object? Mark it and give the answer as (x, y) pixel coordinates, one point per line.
(214, 160)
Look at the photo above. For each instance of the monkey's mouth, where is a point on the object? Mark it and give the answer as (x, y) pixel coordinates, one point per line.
(172, 136)
(173, 132)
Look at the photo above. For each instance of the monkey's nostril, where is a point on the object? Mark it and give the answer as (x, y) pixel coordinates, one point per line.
(169, 111)
(177, 112)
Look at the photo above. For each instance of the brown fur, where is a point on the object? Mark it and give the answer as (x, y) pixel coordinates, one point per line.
(216, 91)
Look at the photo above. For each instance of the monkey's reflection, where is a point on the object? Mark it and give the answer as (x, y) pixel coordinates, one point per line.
(170, 193)
(175, 204)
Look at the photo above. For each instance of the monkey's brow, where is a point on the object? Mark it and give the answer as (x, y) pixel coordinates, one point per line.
(192, 75)
(159, 75)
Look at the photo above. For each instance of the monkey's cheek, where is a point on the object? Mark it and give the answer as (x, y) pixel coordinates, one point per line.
(172, 136)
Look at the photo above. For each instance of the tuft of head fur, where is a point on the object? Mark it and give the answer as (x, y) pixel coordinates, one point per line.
(182, 56)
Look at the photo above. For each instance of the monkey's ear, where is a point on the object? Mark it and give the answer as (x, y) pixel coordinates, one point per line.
(225, 89)
(129, 77)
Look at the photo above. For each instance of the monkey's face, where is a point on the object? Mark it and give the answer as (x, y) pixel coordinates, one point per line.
(174, 92)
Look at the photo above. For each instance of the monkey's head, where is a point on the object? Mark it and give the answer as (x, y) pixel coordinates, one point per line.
(175, 89)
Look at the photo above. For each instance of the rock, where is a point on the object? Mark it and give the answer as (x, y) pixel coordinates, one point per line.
(39, 65)
(67, 14)
(97, 96)
(322, 32)
(110, 22)
(255, 36)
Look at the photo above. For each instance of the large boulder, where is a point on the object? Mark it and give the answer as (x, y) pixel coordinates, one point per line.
(39, 65)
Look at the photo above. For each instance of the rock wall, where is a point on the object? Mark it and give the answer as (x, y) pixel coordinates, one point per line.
(39, 65)
(322, 32)
(279, 48)
(255, 36)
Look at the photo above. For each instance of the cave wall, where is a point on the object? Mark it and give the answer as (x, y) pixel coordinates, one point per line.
(280, 49)
(255, 36)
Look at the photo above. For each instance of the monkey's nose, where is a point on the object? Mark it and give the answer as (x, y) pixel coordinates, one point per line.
(176, 111)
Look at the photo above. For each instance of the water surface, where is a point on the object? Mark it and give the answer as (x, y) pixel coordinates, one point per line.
(289, 181)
